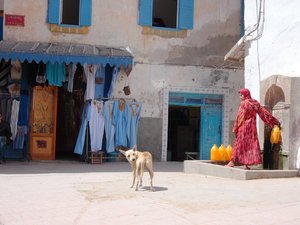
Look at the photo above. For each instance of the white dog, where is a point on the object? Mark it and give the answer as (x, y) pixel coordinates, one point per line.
(138, 161)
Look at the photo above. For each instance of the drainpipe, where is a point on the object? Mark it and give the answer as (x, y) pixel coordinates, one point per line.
(242, 23)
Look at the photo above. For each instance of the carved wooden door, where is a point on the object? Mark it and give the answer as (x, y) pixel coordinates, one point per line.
(43, 123)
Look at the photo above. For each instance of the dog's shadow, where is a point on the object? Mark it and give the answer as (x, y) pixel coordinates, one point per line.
(156, 188)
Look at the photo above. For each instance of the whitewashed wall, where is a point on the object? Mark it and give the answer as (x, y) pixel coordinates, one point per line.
(278, 49)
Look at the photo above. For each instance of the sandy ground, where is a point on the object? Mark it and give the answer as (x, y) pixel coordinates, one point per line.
(69, 193)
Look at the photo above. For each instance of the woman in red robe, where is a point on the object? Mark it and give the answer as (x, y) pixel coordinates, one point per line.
(246, 150)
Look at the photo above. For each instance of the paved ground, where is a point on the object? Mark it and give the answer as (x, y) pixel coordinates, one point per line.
(74, 193)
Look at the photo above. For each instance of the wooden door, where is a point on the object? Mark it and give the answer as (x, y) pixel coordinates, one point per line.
(43, 123)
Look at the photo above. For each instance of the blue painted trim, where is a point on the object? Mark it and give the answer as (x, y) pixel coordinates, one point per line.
(37, 57)
(182, 99)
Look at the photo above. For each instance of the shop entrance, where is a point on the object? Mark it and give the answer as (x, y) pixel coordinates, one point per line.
(69, 111)
(194, 125)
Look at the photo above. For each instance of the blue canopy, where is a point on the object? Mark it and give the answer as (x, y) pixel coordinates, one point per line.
(64, 52)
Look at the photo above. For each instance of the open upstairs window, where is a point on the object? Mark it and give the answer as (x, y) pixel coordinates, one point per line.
(70, 12)
(172, 14)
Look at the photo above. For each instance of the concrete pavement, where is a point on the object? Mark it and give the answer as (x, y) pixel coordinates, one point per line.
(75, 193)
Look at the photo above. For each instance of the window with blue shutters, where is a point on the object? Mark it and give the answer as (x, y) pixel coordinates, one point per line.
(70, 12)
(173, 14)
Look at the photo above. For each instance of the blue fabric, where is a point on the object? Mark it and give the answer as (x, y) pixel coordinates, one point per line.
(109, 127)
(85, 118)
(56, 73)
(119, 120)
(133, 117)
(100, 76)
(23, 113)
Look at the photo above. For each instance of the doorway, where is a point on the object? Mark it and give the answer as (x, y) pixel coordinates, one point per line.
(69, 111)
(194, 125)
(183, 131)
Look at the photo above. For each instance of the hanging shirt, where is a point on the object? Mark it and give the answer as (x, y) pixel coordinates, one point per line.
(119, 120)
(89, 72)
(56, 73)
(133, 110)
(96, 125)
(84, 122)
(109, 127)
(110, 93)
(14, 118)
(71, 72)
(100, 81)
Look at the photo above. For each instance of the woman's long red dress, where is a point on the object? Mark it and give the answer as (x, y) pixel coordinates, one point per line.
(246, 148)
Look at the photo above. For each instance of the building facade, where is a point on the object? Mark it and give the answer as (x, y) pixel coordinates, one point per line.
(171, 56)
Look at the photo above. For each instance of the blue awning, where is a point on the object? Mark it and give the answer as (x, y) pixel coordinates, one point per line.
(64, 52)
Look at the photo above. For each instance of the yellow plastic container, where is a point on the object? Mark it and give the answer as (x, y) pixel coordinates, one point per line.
(275, 135)
(214, 153)
(222, 153)
(228, 152)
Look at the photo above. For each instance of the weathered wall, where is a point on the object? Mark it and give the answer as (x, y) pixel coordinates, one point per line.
(114, 23)
(192, 60)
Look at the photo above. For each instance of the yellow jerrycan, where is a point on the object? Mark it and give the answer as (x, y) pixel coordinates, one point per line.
(275, 135)
(214, 152)
(228, 153)
(222, 153)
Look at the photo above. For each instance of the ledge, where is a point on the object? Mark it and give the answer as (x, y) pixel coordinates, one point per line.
(207, 167)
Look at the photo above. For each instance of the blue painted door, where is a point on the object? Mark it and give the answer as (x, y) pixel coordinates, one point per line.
(211, 129)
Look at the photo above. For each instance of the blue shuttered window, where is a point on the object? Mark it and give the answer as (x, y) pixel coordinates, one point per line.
(85, 12)
(53, 11)
(145, 15)
(185, 13)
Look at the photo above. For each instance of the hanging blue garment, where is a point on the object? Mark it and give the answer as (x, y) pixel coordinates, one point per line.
(85, 118)
(119, 120)
(133, 110)
(56, 73)
(23, 113)
(100, 81)
(109, 127)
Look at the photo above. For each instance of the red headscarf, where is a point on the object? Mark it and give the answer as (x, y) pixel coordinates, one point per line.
(246, 93)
